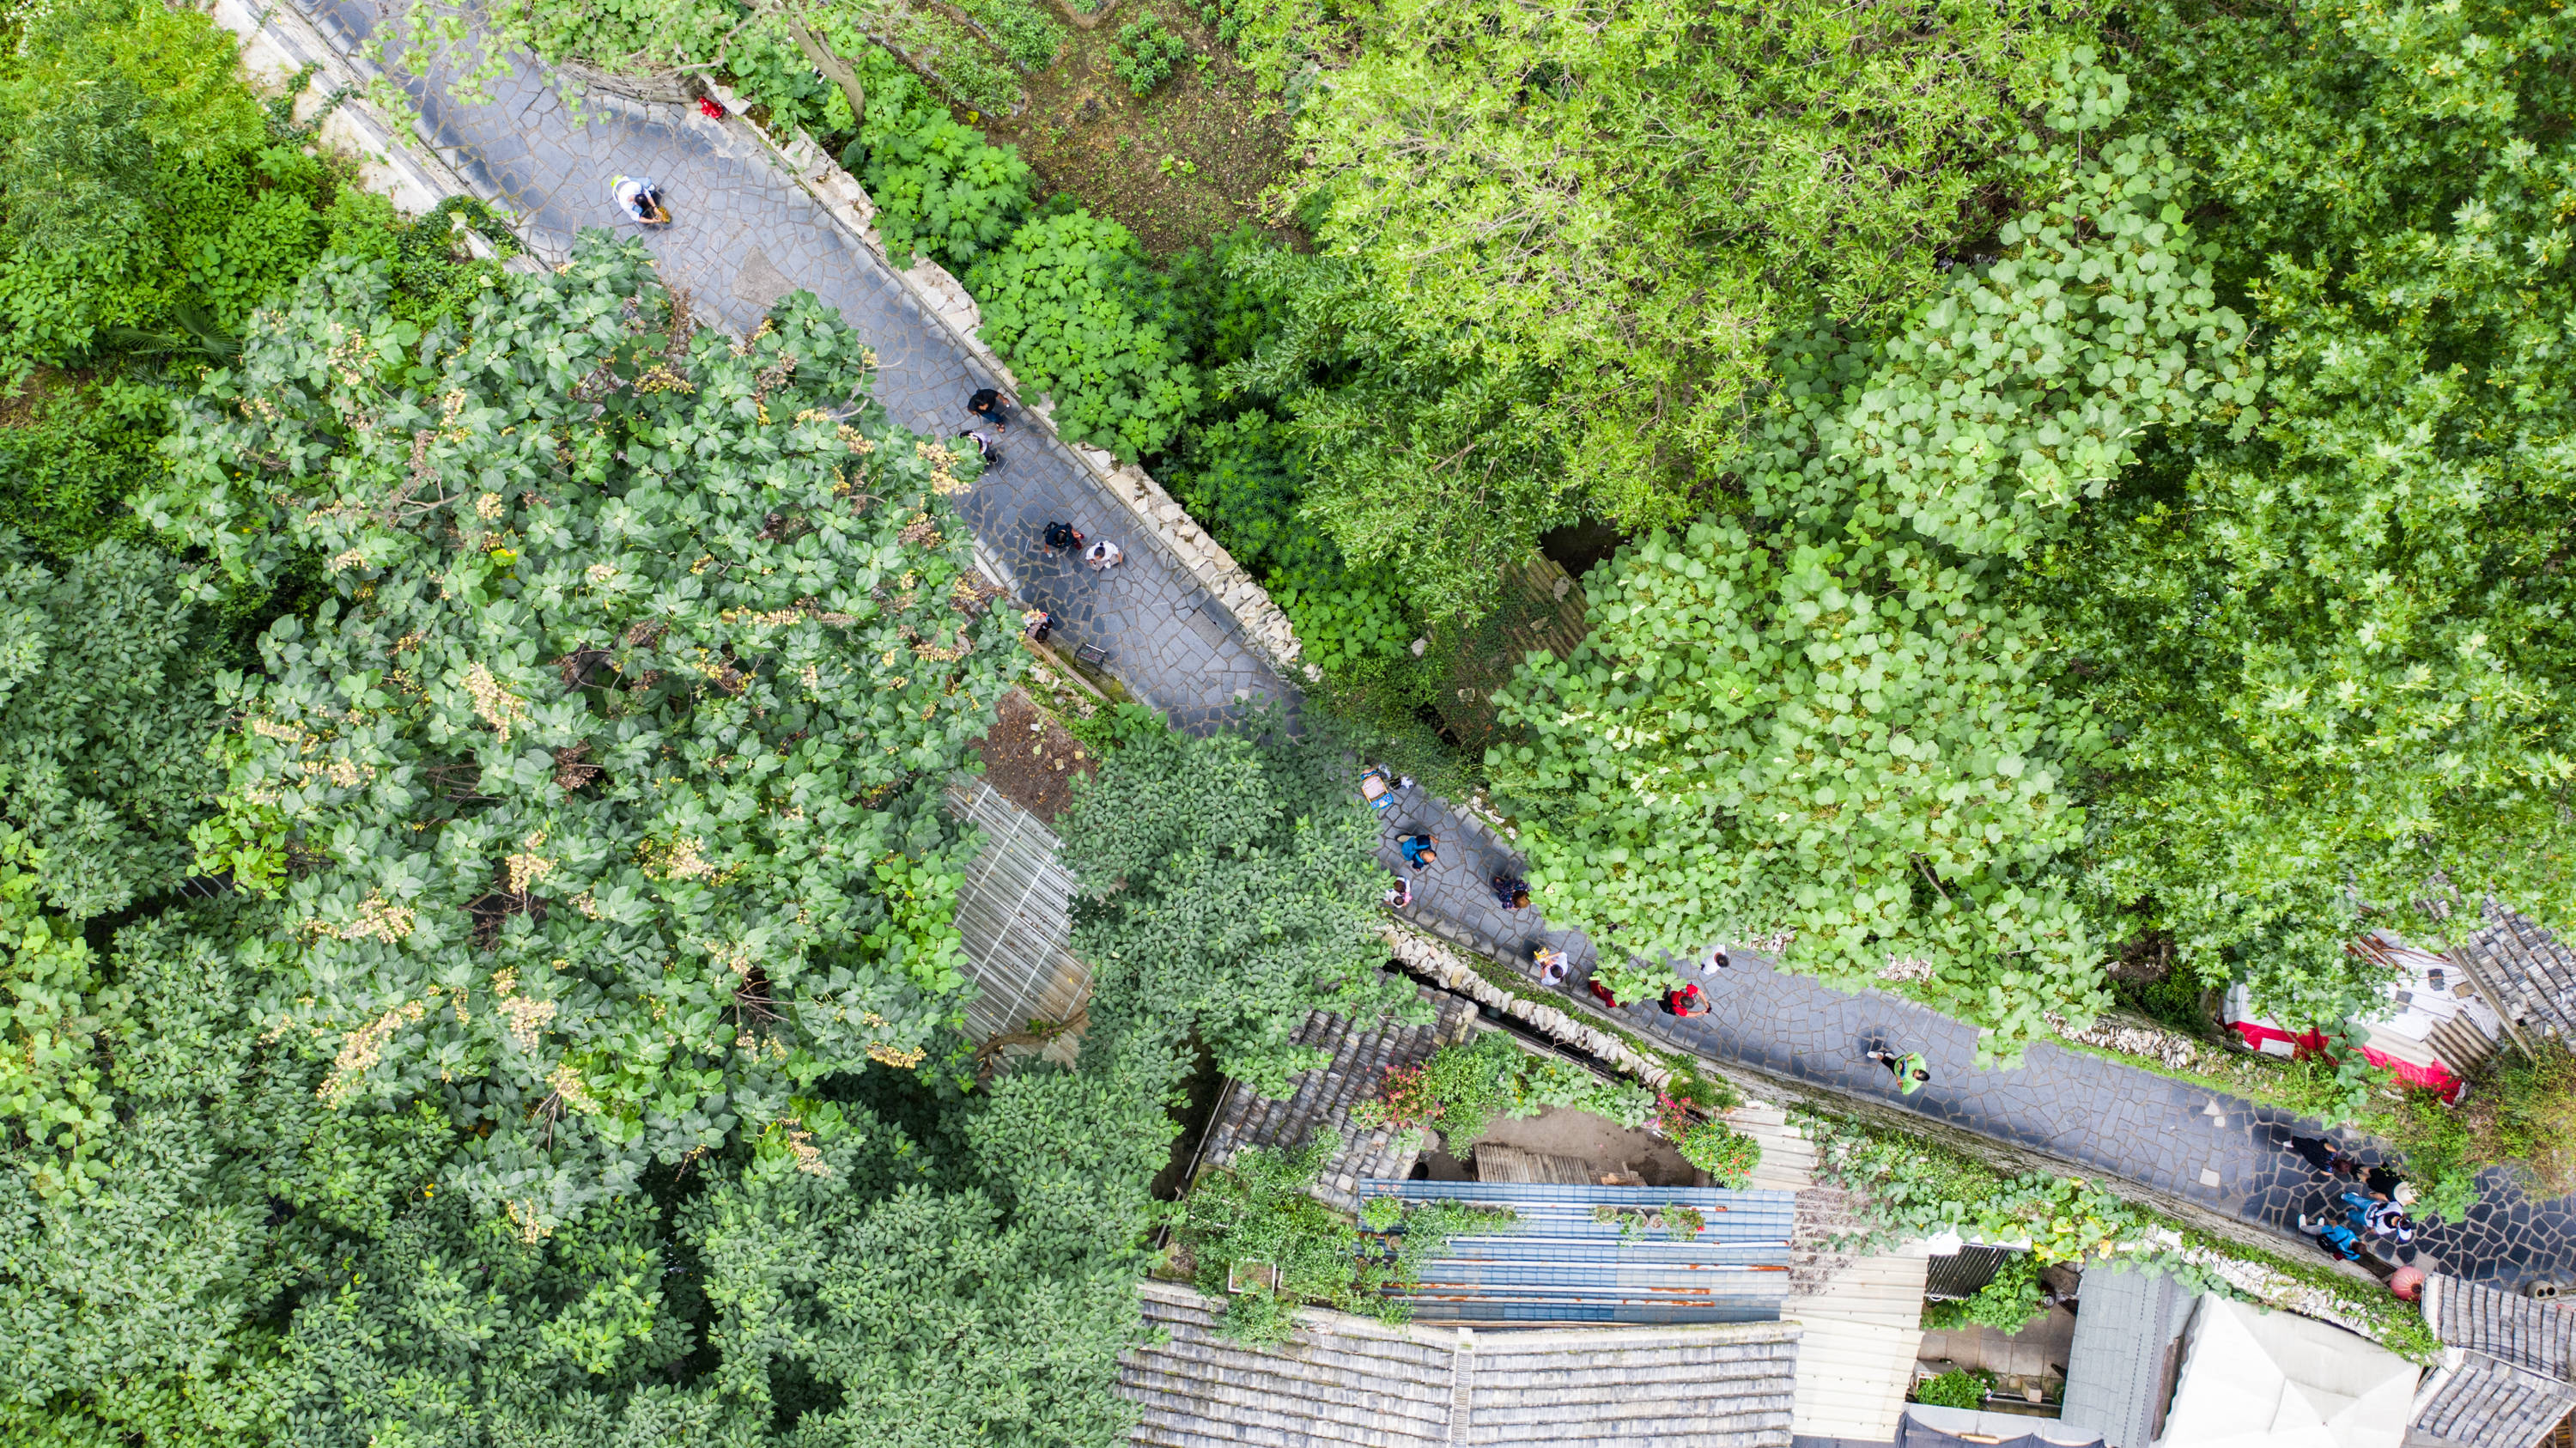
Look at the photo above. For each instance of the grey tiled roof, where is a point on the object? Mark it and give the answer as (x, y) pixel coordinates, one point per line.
(1321, 1104)
(2116, 1369)
(2533, 975)
(2503, 1380)
(1346, 1381)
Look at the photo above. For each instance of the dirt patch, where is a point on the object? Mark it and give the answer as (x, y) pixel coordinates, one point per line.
(28, 406)
(1178, 167)
(1031, 759)
(1604, 1145)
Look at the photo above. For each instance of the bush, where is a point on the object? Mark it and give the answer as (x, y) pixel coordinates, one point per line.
(1146, 54)
(1727, 1155)
(1257, 1210)
(2006, 1304)
(1067, 304)
(1959, 1388)
(1463, 1087)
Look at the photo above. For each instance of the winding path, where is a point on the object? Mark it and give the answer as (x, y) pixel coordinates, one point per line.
(747, 234)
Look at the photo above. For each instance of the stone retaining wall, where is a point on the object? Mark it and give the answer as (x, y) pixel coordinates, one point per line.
(1265, 626)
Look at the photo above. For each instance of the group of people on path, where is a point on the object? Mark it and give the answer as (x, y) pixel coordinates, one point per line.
(2371, 1200)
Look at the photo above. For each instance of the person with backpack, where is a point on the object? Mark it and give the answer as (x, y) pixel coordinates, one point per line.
(1911, 1071)
(1686, 1000)
(2333, 1238)
(1510, 892)
(1062, 537)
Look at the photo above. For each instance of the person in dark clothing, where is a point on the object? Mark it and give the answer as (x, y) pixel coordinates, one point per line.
(1061, 536)
(987, 404)
(2324, 1156)
(1511, 892)
(1040, 623)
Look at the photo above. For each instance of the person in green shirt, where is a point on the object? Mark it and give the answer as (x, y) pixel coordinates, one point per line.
(1910, 1069)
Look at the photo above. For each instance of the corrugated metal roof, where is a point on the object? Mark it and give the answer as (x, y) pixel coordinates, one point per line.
(1852, 1376)
(2124, 1354)
(1013, 912)
(1562, 1265)
(1959, 1274)
(2504, 1377)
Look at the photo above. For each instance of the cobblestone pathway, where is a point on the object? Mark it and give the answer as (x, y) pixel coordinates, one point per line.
(746, 235)
(2208, 1146)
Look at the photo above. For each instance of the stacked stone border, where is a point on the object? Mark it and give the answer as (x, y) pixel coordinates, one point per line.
(400, 163)
(1264, 625)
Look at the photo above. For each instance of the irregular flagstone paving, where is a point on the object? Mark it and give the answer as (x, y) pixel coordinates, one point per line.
(745, 235)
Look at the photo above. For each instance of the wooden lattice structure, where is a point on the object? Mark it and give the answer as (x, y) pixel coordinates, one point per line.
(1541, 611)
(1031, 994)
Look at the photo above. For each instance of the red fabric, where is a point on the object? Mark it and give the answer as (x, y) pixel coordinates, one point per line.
(1688, 1001)
(2435, 1077)
(708, 108)
(1603, 991)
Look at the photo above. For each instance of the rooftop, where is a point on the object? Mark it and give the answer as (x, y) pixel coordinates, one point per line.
(1345, 1380)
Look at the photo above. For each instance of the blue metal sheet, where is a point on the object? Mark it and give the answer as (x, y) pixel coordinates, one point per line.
(1560, 1265)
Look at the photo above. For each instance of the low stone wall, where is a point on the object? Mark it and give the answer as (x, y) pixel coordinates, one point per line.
(1264, 625)
(277, 42)
(657, 90)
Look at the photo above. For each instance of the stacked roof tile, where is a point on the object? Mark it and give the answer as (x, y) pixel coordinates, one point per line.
(1341, 1380)
(2531, 974)
(1320, 1107)
(2504, 1379)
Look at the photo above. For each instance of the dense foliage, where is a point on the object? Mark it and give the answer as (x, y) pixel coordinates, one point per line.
(1258, 1241)
(1229, 886)
(2007, 1303)
(1830, 721)
(939, 187)
(1461, 1089)
(2333, 651)
(607, 781)
(1070, 304)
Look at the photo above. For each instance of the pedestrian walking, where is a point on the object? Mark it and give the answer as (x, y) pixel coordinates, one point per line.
(1418, 851)
(1686, 1000)
(1552, 965)
(1038, 623)
(1062, 536)
(640, 199)
(2326, 1157)
(1511, 892)
(2335, 1239)
(1401, 897)
(1910, 1070)
(1103, 556)
(1714, 961)
(987, 403)
(984, 448)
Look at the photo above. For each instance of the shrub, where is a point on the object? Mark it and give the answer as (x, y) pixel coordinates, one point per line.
(1727, 1155)
(2006, 1304)
(1958, 1388)
(1635, 980)
(1257, 1210)
(1462, 1088)
(1146, 54)
(940, 187)
(1065, 303)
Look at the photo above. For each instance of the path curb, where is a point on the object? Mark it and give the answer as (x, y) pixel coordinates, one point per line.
(1263, 624)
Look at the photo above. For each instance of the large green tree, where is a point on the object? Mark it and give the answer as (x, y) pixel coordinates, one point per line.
(1228, 886)
(1829, 723)
(1591, 221)
(2336, 653)
(603, 792)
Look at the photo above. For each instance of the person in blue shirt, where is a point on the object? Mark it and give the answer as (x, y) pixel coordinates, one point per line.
(1418, 851)
(2335, 1238)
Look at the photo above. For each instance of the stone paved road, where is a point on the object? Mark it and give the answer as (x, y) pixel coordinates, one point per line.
(746, 235)
(2208, 1146)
